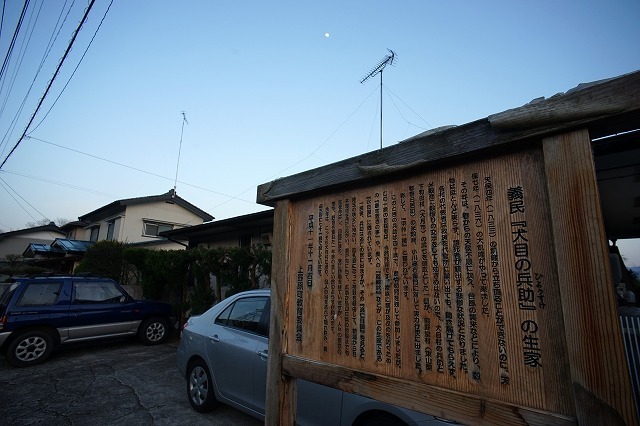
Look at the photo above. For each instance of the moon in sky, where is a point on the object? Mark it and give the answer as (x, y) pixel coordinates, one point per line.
(327, 35)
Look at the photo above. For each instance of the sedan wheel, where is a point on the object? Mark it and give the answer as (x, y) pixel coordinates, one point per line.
(200, 387)
(30, 348)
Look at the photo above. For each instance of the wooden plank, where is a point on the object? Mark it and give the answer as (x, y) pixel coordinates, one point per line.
(465, 140)
(589, 100)
(467, 409)
(280, 405)
(598, 370)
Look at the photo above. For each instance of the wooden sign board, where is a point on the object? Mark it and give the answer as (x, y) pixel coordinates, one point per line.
(463, 273)
(446, 278)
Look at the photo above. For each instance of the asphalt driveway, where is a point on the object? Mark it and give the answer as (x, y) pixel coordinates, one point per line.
(118, 382)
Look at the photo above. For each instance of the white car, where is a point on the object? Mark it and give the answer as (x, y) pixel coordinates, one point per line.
(223, 356)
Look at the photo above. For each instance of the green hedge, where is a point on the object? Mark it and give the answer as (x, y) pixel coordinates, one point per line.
(168, 274)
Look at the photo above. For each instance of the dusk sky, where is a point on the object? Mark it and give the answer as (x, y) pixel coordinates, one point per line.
(268, 89)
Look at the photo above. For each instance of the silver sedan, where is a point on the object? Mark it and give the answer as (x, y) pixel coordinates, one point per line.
(222, 354)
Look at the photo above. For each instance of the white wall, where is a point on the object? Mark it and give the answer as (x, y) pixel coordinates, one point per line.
(129, 227)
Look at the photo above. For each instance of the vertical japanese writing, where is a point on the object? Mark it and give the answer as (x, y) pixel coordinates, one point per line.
(362, 328)
(435, 268)
(431, 272)
(369, 231)
(299, 286)
(347, 276)
(332, 269)
(320, 238)
(404, 243)
(340, 293)
(480, 246)
(325, 256)
(357, 238)
(446, 280)
(378, 272)
(526, 287)
(310, 251)
(457, 277)
(424, 263)
(496, 284)
(386, 265)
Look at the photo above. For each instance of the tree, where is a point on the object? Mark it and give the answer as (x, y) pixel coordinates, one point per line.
(14, 264)
(104, 259)
(43, 222)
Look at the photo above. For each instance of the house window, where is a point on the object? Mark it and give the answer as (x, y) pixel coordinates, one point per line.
(110, 227)
(94, 233)
(152, 229)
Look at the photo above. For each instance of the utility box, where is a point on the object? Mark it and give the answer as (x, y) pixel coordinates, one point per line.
(465, 272)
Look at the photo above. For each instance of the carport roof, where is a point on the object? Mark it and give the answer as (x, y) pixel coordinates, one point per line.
(60, 246)
(198, 233)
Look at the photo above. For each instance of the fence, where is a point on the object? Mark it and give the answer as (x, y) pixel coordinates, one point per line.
(631, 335)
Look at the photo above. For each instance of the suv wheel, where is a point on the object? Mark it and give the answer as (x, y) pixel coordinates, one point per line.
(200, 387)
(30, 348)
(154, 331)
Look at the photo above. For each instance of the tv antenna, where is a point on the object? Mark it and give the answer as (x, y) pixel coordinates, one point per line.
(387, 60)
(184, 120)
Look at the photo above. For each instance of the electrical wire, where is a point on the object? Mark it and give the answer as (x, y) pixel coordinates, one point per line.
(23, 50)
(66, 53)
(328, 138)
(373, 123)
(131, 168)
(18, 65)
(229, 197)
(415, 125)
(4, 3)
(13, 40)
(54, 37)
(2, 184)
(75, 69)
(66, 185)
(308, 156)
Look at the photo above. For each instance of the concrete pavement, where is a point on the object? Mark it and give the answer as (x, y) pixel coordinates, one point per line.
(119, 382)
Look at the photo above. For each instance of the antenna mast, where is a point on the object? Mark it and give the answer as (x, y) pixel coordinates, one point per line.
(387, 60)
(184, 120)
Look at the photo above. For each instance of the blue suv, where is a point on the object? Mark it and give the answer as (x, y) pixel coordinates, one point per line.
(39, 313)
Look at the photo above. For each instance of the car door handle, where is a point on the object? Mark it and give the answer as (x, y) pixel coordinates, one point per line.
(263, 354)
(214, 338)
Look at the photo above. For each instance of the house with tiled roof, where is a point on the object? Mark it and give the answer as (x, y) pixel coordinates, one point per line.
(141, 220)
(137, 221)
(15, 242)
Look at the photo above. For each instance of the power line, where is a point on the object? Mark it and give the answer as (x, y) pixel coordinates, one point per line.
(405, 104)
(133, 168)
(75, 69)
(3, 183)
(23, 50)
(312, 152)
(18, 65)
(66, 185)
(4, 3)
(13, 39)
(52, 40)
(373, 123)
(66, 53)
